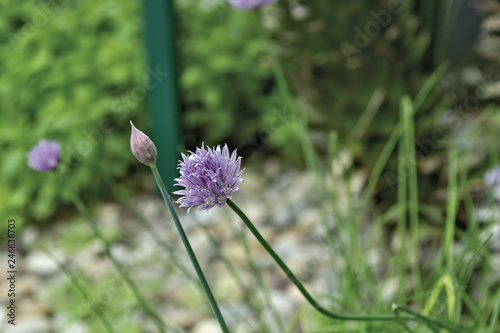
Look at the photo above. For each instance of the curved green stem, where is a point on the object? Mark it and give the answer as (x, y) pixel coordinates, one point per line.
(297, 283)
(399, 319)
(189, 249)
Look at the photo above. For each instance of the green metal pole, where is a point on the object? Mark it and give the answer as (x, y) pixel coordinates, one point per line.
(162, 85)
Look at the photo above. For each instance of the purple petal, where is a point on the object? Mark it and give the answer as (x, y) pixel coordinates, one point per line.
(209, 177)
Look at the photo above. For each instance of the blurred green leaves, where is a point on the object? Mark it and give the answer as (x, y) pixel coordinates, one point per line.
(71, 69)
(64, 65)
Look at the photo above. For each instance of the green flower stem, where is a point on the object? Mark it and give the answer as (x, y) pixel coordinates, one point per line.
(297, 283)
(118, 266)
(430, 322)
(168, 249)
(189, 249)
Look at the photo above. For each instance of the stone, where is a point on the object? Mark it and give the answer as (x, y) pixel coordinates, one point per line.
(39, 263)
(207, 326)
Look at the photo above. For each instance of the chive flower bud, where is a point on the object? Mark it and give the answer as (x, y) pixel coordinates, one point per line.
(209, 177)
(142, 147)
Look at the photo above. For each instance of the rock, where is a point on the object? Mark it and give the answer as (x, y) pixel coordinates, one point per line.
(487, 214)
(39, 263)
(120, 252)
(207, 326)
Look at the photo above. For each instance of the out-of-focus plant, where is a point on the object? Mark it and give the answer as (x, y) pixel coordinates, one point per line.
(489, 44)
(225, 82)
(68, 72)
(75, 70)
(348, 63)
(351, 61)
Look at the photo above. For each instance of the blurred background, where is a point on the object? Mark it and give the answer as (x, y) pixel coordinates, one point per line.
(77, 71)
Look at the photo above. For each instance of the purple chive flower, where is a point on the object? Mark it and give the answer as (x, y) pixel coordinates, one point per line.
(249, 4)
(492, 177)
(44, 156)
(208, 176)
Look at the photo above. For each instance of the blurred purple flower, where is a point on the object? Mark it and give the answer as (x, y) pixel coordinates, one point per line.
(492, 177)
(208, 176)
(44, 156)
(249, 4)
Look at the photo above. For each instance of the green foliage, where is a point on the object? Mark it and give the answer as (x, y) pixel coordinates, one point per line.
(352, 61)
(348, 63)
(438, 279)
(225, 86)
(66, 66)
(69, 70)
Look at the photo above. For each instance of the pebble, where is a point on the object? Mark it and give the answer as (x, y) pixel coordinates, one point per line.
(207, 326)
(39, 263)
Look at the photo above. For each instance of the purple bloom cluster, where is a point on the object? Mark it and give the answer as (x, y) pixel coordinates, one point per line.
(208, 176)
(249, 4)
(492, 177)
(44, 156)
